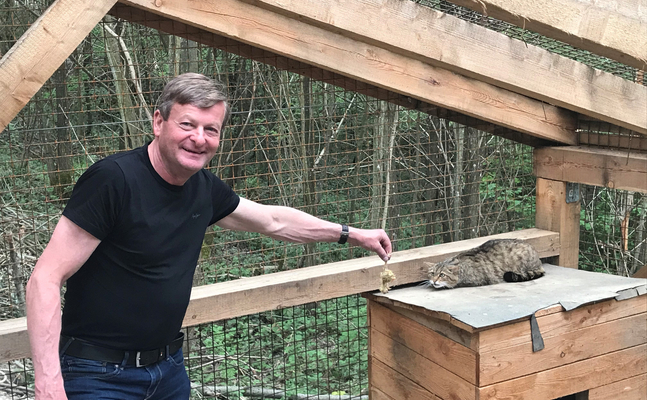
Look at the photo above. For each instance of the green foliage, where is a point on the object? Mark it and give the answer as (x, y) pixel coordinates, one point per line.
(311, 348)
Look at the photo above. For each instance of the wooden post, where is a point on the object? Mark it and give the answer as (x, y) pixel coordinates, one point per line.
(553, 213)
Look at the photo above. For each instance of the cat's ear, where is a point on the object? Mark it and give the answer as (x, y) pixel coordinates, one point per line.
(453, 268)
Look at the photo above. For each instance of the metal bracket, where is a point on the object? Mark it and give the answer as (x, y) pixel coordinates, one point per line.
(572, 192)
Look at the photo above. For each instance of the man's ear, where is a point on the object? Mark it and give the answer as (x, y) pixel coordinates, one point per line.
(157, 123)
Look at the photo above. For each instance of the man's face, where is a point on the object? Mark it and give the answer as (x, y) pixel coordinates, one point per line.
(189, 138)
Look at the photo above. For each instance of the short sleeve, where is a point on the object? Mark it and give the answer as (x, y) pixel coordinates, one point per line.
(97, 199)
(224, 199)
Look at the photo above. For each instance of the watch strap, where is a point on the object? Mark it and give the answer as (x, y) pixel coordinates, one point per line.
(343, 238)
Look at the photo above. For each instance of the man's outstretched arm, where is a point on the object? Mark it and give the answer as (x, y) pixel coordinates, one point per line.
(292, 225)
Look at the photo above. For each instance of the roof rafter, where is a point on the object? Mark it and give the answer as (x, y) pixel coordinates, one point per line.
(609, 28)
(368, 63)
(443, 40)
(42, 49)
(146, 18)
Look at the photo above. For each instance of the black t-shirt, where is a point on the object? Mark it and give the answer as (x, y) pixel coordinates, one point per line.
(133, 291)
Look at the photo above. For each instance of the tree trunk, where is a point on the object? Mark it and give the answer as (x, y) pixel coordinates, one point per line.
(380, 151)
(472, 174)
(639, 252)
(457, 182)
(131, 128)
(189, 59)
(307, 142)
(58, 147)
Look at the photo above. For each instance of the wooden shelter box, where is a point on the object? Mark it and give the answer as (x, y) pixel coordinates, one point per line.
(477, 343)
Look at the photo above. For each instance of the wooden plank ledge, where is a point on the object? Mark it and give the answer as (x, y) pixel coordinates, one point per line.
(343, 278)
(289, 288)
(615, 169)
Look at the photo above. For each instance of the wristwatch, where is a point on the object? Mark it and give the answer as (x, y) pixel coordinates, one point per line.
(344, 234)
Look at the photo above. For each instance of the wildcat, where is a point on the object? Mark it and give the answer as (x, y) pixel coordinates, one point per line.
(495, 261)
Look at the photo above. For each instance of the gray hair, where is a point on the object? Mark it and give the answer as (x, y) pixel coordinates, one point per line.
(194, 89)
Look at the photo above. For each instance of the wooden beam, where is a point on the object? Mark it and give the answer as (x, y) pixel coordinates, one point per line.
(553, 213)
(560, 323)
(198, 35)
(572, 378)
(610, 28)
(289, 288)
(453, 356)
(385, 383)
(628, 389)
(42, 49)
(477, 52)
(368, 63)
(512, 362)
(14, 340)
(617, 169)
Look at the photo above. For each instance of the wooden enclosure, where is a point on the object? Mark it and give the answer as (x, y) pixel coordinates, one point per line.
(599, 349)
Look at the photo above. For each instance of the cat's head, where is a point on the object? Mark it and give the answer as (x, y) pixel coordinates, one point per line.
(443, 275)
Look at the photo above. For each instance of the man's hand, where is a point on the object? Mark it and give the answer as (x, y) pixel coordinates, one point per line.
(371, 239)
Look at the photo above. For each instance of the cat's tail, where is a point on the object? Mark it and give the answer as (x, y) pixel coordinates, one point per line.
(527, 276)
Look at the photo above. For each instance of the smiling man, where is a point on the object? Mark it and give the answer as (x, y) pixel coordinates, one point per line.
(127, 246)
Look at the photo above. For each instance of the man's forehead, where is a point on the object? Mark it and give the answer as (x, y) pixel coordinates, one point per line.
(217, 111)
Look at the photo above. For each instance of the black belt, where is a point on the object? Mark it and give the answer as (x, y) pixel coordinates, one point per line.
(82, 349)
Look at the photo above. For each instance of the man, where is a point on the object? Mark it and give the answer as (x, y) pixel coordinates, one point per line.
(127, 245)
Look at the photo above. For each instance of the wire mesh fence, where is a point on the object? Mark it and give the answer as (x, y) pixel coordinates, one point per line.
(292, 140)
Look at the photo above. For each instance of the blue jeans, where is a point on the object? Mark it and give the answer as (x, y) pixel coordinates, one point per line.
(98, 380)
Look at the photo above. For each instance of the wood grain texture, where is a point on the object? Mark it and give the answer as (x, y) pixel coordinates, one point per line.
(161, 23)
(42, 49)
(369, 63)
(616, 169)
(387, 384)
(610, 28)
(554, 214)
(425, 373)
(453, 356)
(441, 326)
(634, 388)
(289, 288)
(572, 378)
(14, 340)
(561, 323)
(480, 53)
(577, 345)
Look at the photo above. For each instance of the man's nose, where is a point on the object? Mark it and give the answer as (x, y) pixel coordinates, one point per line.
(198, 136)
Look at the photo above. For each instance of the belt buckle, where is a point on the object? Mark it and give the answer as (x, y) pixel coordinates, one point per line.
(138, 357)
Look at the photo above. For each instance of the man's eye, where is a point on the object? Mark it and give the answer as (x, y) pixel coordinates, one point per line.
(185, 124)
(211, 132)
